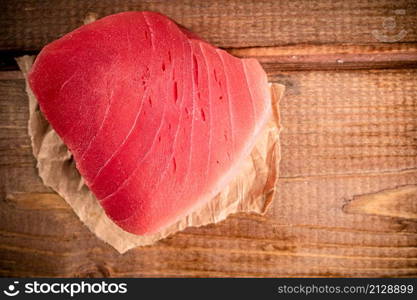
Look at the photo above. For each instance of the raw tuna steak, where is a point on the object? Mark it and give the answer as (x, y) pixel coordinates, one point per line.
(158, 120)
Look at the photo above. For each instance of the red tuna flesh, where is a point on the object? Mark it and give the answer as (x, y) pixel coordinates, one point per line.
(158, 120)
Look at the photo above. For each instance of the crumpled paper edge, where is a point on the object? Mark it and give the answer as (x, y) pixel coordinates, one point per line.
(253, 190)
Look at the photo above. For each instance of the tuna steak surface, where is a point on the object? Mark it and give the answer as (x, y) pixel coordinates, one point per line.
(158, 120)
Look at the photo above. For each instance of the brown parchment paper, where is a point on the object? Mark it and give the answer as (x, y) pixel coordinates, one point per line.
(251, 191)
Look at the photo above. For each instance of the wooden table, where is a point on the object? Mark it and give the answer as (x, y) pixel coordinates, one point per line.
(347, 201)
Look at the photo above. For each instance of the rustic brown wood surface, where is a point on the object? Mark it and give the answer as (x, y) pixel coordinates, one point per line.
(347, 201)
(29, 24)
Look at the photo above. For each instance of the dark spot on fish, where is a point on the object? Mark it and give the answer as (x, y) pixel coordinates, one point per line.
(163, 66)
(203, 115)
(146, 74)
(169, 57)
(195, 67)
(175, 92)
(174, 163)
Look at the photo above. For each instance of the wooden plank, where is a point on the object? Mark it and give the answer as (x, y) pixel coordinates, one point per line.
(30, 24)
(348, 121)
(17, 165)
(346, 134)
(10, 75)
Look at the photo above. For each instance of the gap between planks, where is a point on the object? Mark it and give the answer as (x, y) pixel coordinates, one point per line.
(296, 57)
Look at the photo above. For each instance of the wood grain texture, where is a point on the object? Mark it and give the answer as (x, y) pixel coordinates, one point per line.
(349, 145)
(346, 133)
(30, 24)
(400, 202)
